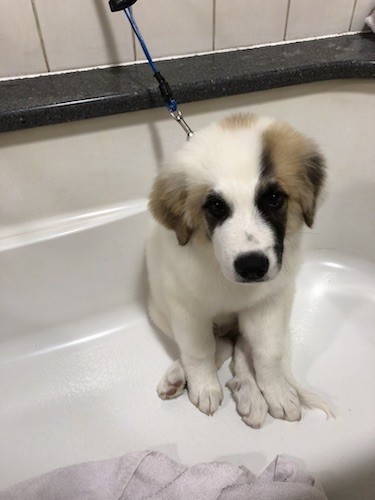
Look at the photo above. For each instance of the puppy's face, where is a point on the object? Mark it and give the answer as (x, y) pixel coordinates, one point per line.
(247, 230)
(243, 185)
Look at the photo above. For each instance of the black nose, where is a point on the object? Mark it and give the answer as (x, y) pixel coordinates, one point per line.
(251, 266)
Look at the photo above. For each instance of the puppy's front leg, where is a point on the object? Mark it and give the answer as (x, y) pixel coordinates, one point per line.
(197, 345)
(266, 329)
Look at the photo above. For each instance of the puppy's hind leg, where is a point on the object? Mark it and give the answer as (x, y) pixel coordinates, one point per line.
(173, 382)
(250, 403)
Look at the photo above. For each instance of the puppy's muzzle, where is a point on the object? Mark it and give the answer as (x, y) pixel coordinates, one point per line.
(252, 266)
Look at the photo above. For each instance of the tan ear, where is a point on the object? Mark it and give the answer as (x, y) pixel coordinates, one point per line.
(294, 160)
(168, 202)
(313, 166)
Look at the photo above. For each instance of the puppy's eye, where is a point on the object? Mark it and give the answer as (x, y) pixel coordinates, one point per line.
(216, 207)
(275, 199)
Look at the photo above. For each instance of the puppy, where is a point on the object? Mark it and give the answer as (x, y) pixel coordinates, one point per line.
(225, 250)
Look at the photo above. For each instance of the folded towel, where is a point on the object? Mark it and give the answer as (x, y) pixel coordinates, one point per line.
(144, 474)
(370, 21)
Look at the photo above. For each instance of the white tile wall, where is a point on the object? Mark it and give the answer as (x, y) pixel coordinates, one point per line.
(308, 18)
(84, 33)
(362, 9)
(20, 48)
(240, 23)
(173, 27)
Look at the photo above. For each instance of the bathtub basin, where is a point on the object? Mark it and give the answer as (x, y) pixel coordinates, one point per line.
(79, 361)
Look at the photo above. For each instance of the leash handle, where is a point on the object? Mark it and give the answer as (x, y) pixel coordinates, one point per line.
(116, 5)
(166, 92)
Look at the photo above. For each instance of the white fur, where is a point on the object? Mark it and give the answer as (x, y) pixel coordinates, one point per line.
(192, 286)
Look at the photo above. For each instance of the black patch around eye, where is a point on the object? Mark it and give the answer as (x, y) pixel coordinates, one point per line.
(216, 211)
(272, 204)
(271, 198)
(274, 199)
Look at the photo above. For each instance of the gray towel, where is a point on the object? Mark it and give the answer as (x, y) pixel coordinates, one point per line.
(146, 475)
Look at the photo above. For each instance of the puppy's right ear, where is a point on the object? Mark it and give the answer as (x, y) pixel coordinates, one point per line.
(168, 202)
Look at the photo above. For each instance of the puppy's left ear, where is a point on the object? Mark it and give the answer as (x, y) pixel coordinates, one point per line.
(295, 161)
(168, 202)
(313, 171)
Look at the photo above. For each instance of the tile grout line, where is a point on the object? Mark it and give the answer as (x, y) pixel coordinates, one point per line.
(134, 46)
(213, 23)
(40, 34)
(287, 18)
(352, 16)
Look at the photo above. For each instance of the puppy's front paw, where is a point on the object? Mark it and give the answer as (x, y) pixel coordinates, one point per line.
(250, 403)
(206, 396)
(173, 382)
(283, 401)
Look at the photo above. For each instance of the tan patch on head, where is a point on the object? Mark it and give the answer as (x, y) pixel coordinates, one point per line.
(293, 160)
(238, 121)
(176, 205)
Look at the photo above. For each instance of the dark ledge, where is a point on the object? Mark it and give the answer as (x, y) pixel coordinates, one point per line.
(50, 99)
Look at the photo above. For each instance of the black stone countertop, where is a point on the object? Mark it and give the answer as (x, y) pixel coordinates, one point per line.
(57, 98)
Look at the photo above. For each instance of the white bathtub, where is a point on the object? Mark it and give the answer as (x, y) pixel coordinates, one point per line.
(79, 362)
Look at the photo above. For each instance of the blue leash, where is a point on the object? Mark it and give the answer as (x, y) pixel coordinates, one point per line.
(129, 14)
(165, 90)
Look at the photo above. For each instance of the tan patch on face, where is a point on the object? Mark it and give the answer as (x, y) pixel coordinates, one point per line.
(178, 206)
(293, 160)
(238, 121)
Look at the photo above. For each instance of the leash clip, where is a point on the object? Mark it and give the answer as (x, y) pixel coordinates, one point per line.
(178, 116)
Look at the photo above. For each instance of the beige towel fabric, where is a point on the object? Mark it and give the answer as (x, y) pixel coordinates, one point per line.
(152, 475)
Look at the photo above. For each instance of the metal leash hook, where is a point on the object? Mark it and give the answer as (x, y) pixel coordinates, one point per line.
(178, 116)
(165, 90)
